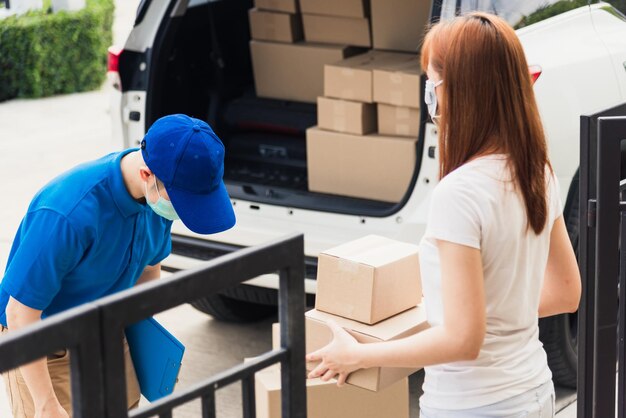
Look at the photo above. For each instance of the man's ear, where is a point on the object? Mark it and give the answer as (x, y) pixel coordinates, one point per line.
(145, 173)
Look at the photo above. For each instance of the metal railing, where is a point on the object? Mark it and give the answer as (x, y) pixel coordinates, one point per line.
(93, 333)
(601, 317)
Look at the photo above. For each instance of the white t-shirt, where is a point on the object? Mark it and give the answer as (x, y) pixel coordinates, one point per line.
(477, 205)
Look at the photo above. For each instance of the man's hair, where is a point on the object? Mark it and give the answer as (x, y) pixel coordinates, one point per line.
(488, 104)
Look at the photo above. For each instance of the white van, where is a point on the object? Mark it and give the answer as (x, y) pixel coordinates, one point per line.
(193, 57)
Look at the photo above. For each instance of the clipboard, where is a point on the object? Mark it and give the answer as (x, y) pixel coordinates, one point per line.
(157, 356)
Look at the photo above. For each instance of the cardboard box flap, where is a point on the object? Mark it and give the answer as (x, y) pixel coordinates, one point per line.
(373, 250)
(405, 323)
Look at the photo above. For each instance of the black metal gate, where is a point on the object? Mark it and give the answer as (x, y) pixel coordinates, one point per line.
(602, 258)
(93, 333)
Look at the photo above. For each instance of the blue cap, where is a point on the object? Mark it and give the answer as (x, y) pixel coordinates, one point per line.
(186, 155)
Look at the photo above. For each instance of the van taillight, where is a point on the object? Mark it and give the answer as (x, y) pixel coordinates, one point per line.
(535, 72)
(113, 59)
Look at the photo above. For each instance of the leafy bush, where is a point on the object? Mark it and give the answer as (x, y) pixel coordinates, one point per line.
(44, 53)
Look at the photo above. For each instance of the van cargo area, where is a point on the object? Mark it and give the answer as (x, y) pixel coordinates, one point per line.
(201, 66)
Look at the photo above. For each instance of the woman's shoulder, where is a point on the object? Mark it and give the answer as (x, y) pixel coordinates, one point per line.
(478, 173)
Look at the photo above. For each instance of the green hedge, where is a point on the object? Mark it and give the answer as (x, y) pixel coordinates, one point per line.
(44, 53)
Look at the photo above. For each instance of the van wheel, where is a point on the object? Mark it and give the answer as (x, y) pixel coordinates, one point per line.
(559, 334)
(224, 308)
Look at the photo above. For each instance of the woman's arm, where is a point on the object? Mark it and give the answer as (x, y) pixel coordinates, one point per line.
(562, 286)
(460, 337)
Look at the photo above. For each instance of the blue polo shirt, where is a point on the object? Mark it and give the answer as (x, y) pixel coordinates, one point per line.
(83, 237)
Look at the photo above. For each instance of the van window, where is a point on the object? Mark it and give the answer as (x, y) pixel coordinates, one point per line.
(517, 13)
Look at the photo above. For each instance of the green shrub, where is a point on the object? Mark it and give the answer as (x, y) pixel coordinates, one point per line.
(43, 53)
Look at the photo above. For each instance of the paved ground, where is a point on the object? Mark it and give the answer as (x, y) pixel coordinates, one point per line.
(42, 138)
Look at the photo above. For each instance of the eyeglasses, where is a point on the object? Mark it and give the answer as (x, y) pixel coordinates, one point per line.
(429, 92)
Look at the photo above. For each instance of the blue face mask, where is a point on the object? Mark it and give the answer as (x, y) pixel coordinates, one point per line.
(162, 207)
(430, 97)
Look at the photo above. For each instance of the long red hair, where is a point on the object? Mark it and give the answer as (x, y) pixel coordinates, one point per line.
(488, 103)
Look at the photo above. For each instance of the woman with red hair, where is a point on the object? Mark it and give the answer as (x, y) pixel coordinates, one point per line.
(495, 256)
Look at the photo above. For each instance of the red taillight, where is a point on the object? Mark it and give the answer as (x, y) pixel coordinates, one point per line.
(113, 59)
(535, 72)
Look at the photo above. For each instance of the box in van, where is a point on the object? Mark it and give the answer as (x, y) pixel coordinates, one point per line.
(275, 26)
(375, 167)
(346, 116)
(293, 71)
(337, 30)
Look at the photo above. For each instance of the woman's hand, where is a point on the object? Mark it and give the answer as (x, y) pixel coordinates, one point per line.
(341, 357)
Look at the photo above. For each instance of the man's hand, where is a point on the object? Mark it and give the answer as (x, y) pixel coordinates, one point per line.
(340, 357)
(51, 409)
(35, 374)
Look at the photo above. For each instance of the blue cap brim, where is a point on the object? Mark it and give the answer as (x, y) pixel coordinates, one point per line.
(204, 213)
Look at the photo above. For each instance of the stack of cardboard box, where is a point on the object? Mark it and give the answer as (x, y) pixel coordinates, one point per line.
(326, 399)
(344, 22)
(284, 67)
(378, 91)
(371, 287)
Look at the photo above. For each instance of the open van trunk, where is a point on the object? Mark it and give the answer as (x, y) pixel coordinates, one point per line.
(201, 66)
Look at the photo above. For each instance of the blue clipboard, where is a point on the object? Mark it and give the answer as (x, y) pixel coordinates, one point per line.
(157, 356)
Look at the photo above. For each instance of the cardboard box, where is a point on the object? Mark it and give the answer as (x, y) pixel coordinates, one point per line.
(352, 78)
(369, 279)
(396, 120)
(399, 25)
(275, 336)
(346, 8)
(327, 400)
(275, 26)
(399, 84)
(370, 167)
(346, 116)
(337, 30)
(286, 6)
(376, 378)
(293, 71)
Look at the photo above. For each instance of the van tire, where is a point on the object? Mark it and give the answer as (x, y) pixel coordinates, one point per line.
(224, 308)
(559, 334)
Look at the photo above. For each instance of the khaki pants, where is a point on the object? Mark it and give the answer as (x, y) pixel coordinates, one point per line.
(22, 404)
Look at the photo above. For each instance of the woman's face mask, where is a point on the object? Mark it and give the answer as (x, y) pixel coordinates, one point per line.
(430, 97)
(162, 207)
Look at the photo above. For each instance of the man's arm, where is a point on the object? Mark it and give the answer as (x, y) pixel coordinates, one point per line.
(35, 374)
(149, 273)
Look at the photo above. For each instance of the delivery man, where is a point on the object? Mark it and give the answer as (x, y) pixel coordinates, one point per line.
(100, 228)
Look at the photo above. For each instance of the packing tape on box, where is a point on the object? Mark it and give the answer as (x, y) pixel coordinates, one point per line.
(346, 72)
(348, 93)
(340, 119)
(396, 97)
(396, 78)
(347, 266)
(340, 124)
(403, 113)
(403, 129)
(339, 108)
